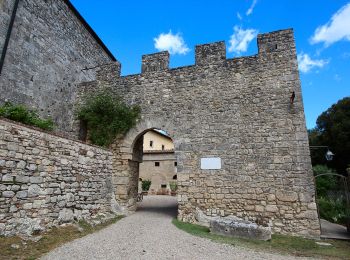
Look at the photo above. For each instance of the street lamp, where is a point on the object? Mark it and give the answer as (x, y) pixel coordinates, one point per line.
(329, 155)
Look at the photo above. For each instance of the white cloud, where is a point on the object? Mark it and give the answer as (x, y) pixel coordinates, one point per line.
(338, 28)
(306, 63)
(251, 8)
(239, 16)
(240, 39)
(174, 43)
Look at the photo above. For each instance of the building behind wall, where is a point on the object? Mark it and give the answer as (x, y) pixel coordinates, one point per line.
(158, 162)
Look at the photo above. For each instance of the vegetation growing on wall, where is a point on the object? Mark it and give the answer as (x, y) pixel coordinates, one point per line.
(106, 116)
(24, 115)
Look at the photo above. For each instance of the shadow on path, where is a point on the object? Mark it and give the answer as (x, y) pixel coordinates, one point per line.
(333, 231)
(163, 205)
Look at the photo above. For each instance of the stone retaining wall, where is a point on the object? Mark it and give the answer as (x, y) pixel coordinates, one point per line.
(46, 180)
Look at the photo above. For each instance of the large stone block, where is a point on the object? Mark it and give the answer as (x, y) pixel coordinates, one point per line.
(235, 227)
(66, 215)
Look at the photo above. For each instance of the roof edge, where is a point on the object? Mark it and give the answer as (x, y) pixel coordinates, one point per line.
(89, 29)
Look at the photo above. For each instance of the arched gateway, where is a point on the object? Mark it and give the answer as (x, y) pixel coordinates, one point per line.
(241, 144)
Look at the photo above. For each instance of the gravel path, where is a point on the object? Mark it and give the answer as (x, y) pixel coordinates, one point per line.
(149, 234)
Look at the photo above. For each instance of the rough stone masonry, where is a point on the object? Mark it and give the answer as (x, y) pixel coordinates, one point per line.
(237, 111)
(46, 180)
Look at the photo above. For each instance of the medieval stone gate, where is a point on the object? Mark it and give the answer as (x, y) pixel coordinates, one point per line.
(241, 146)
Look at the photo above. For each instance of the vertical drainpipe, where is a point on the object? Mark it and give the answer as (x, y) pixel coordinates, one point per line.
(8, 35)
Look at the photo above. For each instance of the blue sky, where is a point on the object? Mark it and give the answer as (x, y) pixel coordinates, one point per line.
(322, 32)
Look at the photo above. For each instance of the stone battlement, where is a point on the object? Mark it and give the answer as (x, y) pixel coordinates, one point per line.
(212, 53)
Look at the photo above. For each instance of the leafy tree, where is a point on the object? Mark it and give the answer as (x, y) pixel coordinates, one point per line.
(333, 130)
(106, 116)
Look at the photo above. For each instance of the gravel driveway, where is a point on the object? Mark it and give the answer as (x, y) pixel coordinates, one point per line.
(149, 234)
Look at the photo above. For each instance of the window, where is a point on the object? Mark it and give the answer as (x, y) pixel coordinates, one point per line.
(175, 177)
(175, 164)
(156, 164)
(163, 186)
(163, 147)
(151, 143)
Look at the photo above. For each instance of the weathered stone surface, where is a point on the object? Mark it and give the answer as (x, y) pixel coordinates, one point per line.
(237, 110)
(8, 194)
(32, 199)
(22, 194)
(235, 227)
(34, 190)
(63, 55)
(66, 215)
(287, 196)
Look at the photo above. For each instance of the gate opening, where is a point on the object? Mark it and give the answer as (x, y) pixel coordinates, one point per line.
(333, 199)
(156, 185)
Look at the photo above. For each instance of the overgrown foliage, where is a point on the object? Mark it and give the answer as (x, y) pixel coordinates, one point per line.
(146, 184)
(24, 115)
(333, 130)
(106, 116)
(173, 185)
(331, 198)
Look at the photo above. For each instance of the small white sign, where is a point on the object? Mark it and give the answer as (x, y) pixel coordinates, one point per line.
(211, 163)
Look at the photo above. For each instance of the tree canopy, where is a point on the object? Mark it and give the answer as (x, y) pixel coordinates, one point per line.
(333, 130)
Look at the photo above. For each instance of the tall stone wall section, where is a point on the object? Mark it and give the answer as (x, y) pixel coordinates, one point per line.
(50, 50)
(238, 110)
(6, 7)
(46, 180)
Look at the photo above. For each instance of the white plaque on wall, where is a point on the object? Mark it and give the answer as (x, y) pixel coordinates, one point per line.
(213, 163)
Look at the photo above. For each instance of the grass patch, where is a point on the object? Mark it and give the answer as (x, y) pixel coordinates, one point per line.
(54, 238)
(278, 244)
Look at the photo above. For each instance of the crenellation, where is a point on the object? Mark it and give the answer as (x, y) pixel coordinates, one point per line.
(155, 62)
(277, 41)
(211, 53)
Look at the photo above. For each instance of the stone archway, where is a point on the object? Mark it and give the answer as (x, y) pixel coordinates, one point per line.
(242, 148)
(128, 151)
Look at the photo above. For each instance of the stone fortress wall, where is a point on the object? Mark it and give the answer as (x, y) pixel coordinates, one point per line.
(51, 49)
(237, 110)
(47, 180)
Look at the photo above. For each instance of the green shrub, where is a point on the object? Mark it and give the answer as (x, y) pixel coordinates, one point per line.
(333, 210)
(146, 184)
(324, 183)
(173, 185)
(22, 114)
(106, 116)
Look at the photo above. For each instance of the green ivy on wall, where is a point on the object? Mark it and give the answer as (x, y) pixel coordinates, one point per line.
(106, 116)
